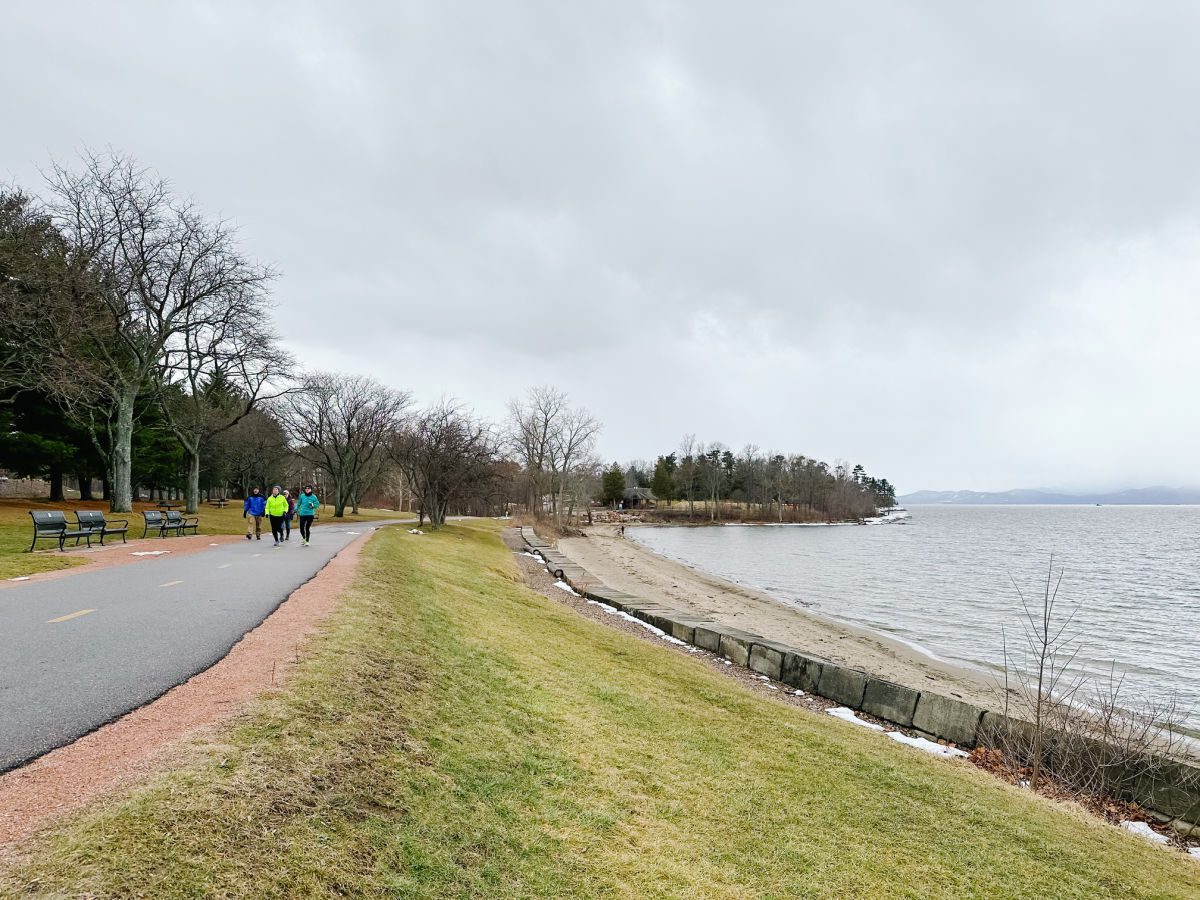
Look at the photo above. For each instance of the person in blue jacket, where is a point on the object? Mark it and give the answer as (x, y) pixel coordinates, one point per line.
(307, 505)
(253, 511)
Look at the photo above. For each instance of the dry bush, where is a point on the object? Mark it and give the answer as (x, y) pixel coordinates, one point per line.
(1082, 730)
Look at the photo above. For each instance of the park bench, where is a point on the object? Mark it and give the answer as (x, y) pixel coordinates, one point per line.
(168, 521)
(219, 504)
(156, 520)
(181, 524)
(53, 525)
(94, 520)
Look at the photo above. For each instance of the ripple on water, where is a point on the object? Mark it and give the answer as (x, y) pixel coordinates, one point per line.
(945, 582)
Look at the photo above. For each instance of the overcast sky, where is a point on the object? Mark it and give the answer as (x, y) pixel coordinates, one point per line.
(958, 243)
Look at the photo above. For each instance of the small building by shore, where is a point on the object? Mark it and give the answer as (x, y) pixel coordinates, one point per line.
(639, 498)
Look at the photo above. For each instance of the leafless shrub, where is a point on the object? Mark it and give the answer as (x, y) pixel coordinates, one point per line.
(1080, 729)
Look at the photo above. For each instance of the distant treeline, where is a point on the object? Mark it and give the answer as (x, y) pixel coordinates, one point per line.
(711, 481)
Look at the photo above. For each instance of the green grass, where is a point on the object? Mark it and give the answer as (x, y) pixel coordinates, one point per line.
(453, 734)
(16, 529)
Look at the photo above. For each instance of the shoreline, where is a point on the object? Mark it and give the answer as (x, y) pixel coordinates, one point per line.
(627, 565)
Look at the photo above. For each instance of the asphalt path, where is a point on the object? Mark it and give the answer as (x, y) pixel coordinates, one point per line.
(80, 651)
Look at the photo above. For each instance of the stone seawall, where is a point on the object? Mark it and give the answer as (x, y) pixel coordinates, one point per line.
(1173, 796)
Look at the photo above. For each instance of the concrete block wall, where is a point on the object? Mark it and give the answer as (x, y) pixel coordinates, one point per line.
(1174, 792)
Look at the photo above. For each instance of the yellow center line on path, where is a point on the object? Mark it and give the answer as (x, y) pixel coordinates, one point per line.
(170, 584)
(74, 615)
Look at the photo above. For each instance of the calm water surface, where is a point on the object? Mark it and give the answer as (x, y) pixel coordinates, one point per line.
(945, 581)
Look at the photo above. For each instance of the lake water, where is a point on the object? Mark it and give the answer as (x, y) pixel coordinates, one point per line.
(945, 582)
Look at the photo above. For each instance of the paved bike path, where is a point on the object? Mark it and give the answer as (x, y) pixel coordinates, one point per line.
(80, 651)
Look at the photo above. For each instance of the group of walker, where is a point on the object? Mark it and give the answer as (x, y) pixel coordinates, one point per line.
(280, 507)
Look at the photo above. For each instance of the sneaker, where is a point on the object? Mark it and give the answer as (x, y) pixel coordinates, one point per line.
(258, 537)
(247, 537)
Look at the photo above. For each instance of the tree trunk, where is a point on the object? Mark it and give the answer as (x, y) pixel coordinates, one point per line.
(85, 485)
(339, 502)
(121, 500)
(56, 485)
(193, 481)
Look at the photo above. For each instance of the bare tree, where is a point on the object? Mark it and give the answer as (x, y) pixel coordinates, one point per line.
(142, 268)
(445, 454)
(223, 363)
(713, 475)
(532, 425)
(341, 423)
(1073, 726)
(687, 470)
(1050, 654)
(250, 452)
(572, 439)
(583, 483)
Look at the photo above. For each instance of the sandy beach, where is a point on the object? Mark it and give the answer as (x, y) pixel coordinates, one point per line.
(624, 564)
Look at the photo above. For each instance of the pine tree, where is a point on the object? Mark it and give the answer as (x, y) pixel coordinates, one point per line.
(613, 485)
(662, 484)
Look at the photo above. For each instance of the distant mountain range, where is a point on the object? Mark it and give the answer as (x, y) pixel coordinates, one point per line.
(1155, 496)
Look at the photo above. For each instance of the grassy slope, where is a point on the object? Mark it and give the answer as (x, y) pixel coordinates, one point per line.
(16, 530)
(455, 734)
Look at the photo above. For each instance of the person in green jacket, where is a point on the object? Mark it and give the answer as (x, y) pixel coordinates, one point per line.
(307, 505)
(277, 508)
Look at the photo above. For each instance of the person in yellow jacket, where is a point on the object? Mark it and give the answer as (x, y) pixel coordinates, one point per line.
(277, 509)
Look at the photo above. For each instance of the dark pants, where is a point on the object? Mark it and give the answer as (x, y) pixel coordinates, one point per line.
(287, 524)
(277, 527)
(306, 527)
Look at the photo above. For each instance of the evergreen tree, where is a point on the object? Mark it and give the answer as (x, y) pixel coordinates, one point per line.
(662, 484)
(612, 486)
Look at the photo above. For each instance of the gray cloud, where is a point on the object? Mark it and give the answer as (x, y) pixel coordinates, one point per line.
(954, 243)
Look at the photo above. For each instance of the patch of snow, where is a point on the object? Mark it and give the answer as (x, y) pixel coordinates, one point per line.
(149, 552)
(20, 578)
(653, 629)
(1194, 852)
(359, 532)
(928, 746)
(410, 531)
(798, 693)
(563, 586)
(771, 687)
(847, 715)
(727, 662)
(763, 678)
(1142, 830)
(214, 545)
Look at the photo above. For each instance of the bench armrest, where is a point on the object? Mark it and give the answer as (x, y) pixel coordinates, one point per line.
(124, 523)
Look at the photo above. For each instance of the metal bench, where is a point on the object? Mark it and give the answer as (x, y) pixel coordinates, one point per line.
(94, 520)
(53, 525)
(180, 523)
(156, 520)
